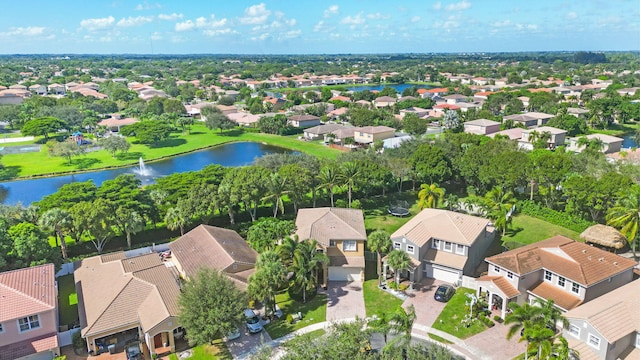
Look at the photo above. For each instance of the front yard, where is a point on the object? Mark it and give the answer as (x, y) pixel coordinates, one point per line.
(217, 351)
(527, 230)
(377, 301)
(314, 311)
(450, 319)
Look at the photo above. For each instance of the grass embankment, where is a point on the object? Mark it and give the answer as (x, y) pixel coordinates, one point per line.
(617, 129)
(527, 230)
(217, 351)
(450, 319)
(313, 311)
(68, 304)
(41, 164)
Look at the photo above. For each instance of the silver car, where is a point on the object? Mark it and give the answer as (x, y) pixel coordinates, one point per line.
(252, 321)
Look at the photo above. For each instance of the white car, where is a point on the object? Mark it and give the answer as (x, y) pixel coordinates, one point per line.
(252, 321)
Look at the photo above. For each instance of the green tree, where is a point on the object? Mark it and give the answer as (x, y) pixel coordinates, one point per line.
(129, 222)
(521, 317)
(540, 338)
(299, 182)
(329, 179)
(147, 132)
(403, 321)
(272, 124)
(414, 125)
(380, 242)
(95, 219)
(430, 196)
(43, 127)
(58, 221)
(625, 215)
(113, 144)
(450, 120)
(350, 172)
(498, 204)
(431, 163)
(399, 261)
(276, 188)
(307, 261)
(65, 149)
(265, 233)
(216, 119)
(268, 278)
(176, 218)
(211, 306)
(30, 245)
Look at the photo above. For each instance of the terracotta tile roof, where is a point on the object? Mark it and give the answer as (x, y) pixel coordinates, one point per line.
(375, 129)
(445, 258)
(561, 298)
(442, 224)
(447, 106)
(615, 314)
(27, 291)
(385, 99)
(325, 224)
(304, 118)
(502, 284)
(437, 90)
(28, 347)
(347, 261)
(573, 260)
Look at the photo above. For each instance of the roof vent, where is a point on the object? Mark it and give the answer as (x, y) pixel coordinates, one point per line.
(615, 263)
(601, 259)
(584, 251)
(589, 257)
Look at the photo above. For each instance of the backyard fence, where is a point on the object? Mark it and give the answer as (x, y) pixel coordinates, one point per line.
(469, 282)
(66, 337)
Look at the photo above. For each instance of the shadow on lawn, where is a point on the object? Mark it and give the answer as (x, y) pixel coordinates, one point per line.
(83, 163)
(129, 155)
(173, 142)
(9, 172)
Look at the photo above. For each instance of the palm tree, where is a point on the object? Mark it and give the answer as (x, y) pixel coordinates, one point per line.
(130, 222)
(329, 179)
(381, 324)
(625, 215)
(521, 317)
(403, 321)
(276, 188)
(350, 172)
(430, 196)
(551, 314)
(399, 261)
(307, 261)
(176, 218)
(540, 337)
(380, 242)
(268, 278)
(287, 249)
(498, 204)
(57, 220)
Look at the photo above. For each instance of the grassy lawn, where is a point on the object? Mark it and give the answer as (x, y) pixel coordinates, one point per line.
(450, 318)
(40, 163)
(68, 306)
(377, 301)
(217, 351)
(377, 215)
(617, 129)
(306, 337)
(314, 311)
(439, 339)
(527, 230)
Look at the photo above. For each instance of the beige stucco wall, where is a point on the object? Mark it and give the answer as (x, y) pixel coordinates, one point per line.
(337, 250)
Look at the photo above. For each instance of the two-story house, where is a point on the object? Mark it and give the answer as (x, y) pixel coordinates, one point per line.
(608, 144)
(341, 235)
(304, 121)
(384, 101)
(607, 328)
(481, 127)
(443, 244)
(530, 119)
(566, 271)
(29, 313)
(371, 134)
(555, 137)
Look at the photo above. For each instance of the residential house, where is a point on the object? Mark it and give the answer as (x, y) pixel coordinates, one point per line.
(420, 112)
(578, 112)
(341, 235)
(530, 119)
(455, 99)
(430, 93)
(56, 89)
(481, 126)
(303, 121)
(340, 135)
(610, 144)
(116, 121)
(384, 101)
(13, 97)
(370, 134)
(512, 134)
(29, 313)
(245, 118)
(273, 103)
(217, 248)
(396, 141)
(319, 131)
(607, 328)
(530, 136)
(443, 244)
(560, 269)
(38, 89)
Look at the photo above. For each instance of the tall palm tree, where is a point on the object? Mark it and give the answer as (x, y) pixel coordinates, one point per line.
(381, 324)
(350, 173)
(521, 317)
(268, 278)
(286, 250)
(430, 196)
(551, 314)
(498, 204)
(403, 321)
(380, 242)
(307, 261)
(329, 179)
(539, 337)
(276, 189)
(57, 220)
(130, 222)
(399, 261)
(176, 218)
(625, 215)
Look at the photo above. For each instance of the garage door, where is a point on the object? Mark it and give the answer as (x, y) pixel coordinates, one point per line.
(45, 355)
(338, 273)
(450, 276)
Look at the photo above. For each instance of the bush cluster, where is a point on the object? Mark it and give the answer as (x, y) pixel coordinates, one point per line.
(555, 217)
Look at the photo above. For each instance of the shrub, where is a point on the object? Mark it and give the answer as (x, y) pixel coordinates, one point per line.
(77, 340)
(341, 203)
(498, 319)
(559, 218)
(392, 285)
(252, 304)
(403, 287)
(289, 319)
(355, 204)
(61, 357)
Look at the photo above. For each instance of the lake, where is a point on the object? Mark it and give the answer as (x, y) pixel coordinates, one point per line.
(233, 154)
(628, 141)
(399, 87)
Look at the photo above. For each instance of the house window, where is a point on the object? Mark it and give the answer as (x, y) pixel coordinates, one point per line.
(28, 323)
(638, 340)
(349, 245)
(509, 274)
(496, 269)
(435, 244)
(332, 243)
(397, 245)
(410, 249)
(594, 341)
(561, 281)
(1, 329)
(361, 134)
(547, 275)
(574, 330)
(448, 246)
(575, 288)
(459, 249)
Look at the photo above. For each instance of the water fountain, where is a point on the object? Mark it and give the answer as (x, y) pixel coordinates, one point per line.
(142, 169)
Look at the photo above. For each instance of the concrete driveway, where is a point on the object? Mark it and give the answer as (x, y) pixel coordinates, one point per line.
(247, 342)
(427, 308)
(345, 300)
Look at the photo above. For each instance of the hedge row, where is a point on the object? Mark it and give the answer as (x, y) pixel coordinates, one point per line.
(559, 218)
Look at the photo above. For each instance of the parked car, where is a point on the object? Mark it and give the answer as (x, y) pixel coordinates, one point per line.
(252, 321)
(233, 334)
(133, 350)
(444, 293)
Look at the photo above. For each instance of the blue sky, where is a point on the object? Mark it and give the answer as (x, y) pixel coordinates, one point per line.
(316, 27)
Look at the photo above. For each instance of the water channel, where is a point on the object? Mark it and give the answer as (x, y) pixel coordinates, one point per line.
(233, 154)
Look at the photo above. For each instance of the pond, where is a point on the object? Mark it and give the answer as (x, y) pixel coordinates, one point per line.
(628, 141)
(398, 87)
(233, 154)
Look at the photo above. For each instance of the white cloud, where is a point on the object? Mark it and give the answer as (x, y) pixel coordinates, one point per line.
(170, 17)
(377, 16)
(97, 23)
(462, 5)
(156, 36)
(415, 19)
(291, 34)
(332, 10)
(201, 23)
(501, 23)
(30, 32)
(322, 27)
(261, 37)
(353, 20)
(437, 5)
(216, 32)
(134, 21)
(185, 26)
(571, 15)
(148, 6)
(255, 14)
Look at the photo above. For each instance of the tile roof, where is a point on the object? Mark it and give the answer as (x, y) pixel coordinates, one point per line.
(30, 346)
(442, 224)
(375, 129)
(27, 291)
(573, 260)
(585, 351)
(325, 224)
(561, 298)
(346, 261)
(445, 258)
(615, 314)
(211, 247)
(502, 284)
(482, 122)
